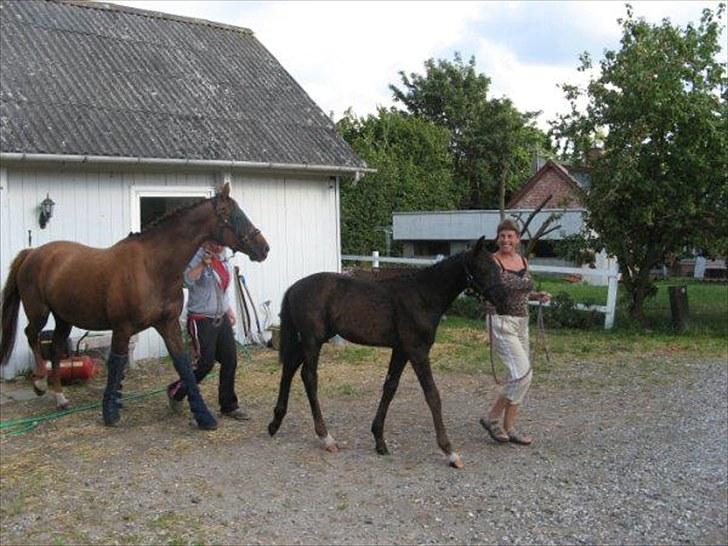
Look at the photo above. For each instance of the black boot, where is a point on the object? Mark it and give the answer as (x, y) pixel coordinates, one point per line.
(111, 403)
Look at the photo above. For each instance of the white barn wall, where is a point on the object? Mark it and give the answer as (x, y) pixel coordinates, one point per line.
(298, 215)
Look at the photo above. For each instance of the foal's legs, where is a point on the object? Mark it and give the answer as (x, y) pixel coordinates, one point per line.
(287, 373)
(60, 335)
(309, 374)
(172, 335)
(432, 395)
(396, 365)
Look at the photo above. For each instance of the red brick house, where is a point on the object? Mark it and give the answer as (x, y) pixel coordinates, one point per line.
(565, 183)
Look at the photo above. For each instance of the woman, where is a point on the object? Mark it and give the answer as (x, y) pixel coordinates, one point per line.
(510, 336)
(210, 321)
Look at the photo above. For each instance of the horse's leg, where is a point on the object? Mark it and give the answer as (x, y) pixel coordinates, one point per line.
(309, 374)
(60, 335)
(432, 395)
(172, 335)
(37, 317)
(287, 373)
(396, 365)
(118, 358)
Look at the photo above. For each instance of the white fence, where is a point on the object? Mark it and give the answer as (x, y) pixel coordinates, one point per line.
(611, 273)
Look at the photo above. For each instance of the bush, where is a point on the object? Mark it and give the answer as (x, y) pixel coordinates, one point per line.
(563, 313)
(467, 306)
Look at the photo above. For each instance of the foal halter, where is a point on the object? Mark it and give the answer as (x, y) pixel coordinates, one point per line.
(475, 284)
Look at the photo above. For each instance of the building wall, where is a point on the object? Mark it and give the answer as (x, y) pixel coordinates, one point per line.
(549, 183)
(297, 214)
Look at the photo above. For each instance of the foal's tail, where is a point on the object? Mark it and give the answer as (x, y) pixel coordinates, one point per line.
(290, 344)
(10, 307)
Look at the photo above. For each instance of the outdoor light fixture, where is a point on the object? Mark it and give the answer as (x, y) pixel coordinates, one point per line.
(46, 211)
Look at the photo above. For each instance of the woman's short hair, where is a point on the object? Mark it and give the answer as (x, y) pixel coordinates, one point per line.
(507, 225)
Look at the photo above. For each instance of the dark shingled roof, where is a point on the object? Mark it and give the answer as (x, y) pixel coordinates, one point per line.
(82, 78)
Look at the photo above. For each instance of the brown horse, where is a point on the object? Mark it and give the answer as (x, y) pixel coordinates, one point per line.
(129, 287)
(401, 312)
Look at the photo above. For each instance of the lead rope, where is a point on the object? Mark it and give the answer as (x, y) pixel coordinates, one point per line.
(543, 343)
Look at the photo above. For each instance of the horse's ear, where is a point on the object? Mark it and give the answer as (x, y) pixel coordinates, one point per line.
(479, 246)
(225, 191)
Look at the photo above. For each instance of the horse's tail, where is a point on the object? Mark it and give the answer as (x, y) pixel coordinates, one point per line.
(10, 307)
(290, 344)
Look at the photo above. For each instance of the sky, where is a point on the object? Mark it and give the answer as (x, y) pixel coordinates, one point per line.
(345, 54)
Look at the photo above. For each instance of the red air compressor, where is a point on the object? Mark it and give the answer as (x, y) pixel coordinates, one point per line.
(72, 367)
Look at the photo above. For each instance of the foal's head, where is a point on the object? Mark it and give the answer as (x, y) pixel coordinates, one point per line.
(484, 275)
(235, 230)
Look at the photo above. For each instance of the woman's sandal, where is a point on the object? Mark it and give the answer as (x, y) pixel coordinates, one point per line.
(495, 430)
(519, 438)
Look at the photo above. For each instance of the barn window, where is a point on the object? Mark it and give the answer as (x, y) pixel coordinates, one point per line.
(153, 208)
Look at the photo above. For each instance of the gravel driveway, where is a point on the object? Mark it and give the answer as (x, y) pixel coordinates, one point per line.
(622, 456)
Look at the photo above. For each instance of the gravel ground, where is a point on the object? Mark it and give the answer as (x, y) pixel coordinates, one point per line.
(622, 456)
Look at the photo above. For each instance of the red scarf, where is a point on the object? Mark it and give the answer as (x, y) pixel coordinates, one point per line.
(222, 272)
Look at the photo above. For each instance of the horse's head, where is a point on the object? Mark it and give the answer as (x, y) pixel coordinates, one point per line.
(234, 230)
(484, 276)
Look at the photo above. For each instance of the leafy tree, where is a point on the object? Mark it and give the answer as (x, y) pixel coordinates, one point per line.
(491, 142)
(413, 173)
(659, 104)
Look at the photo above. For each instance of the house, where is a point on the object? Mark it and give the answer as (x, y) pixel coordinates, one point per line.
(447, 232)
(118, 115)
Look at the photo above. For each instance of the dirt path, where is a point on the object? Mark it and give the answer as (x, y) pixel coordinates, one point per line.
(640, 458)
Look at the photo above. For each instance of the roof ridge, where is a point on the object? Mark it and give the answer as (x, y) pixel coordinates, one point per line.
(105, 6)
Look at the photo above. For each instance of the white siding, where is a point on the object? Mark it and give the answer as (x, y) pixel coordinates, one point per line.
(300, 219)
(299, 216)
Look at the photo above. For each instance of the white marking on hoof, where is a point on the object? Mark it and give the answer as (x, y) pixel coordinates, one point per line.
(41, 384)
(329, 444)
(61, 401)
(455, 460)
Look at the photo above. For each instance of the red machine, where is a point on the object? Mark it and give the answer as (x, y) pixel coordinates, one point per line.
(76, 368)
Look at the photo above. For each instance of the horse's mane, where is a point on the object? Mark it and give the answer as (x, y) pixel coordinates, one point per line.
(167, 218)
(435, 268)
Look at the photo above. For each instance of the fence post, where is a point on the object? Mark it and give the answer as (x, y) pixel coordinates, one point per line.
(375, 259)
(611, 296)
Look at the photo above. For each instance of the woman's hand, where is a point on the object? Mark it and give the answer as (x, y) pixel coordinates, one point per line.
(231, 316)
(541, 297)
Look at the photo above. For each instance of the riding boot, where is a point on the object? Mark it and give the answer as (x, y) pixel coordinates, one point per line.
(202, 415)
(111, 403)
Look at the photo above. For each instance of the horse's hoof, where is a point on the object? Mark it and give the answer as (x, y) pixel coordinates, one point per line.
(273, 428)
(205, 424)
(382, 450)
(455, 461)
(63, 406)
(39, 386)
(329, 444)
(112, 420)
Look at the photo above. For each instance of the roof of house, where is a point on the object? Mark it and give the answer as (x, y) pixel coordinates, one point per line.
(86, 78)
(561, 171)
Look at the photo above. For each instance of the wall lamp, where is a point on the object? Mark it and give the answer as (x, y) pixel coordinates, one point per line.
(46, 211)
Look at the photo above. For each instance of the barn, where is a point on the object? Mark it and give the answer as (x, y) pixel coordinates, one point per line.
(118, 115)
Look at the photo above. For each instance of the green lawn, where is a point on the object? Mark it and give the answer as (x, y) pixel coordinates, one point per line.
(708, 304)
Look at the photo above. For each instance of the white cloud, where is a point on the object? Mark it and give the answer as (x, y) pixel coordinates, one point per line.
(347, 53)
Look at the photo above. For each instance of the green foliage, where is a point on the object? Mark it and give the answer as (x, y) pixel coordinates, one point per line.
(662, 182)
(413, 173)
(563, 313)
(491, 142)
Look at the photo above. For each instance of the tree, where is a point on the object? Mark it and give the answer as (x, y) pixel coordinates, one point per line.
(659, 104)
(413, 173)
(491, 142)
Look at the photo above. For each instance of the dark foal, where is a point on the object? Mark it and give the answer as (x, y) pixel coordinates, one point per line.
(129, 287)
(402, 313)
